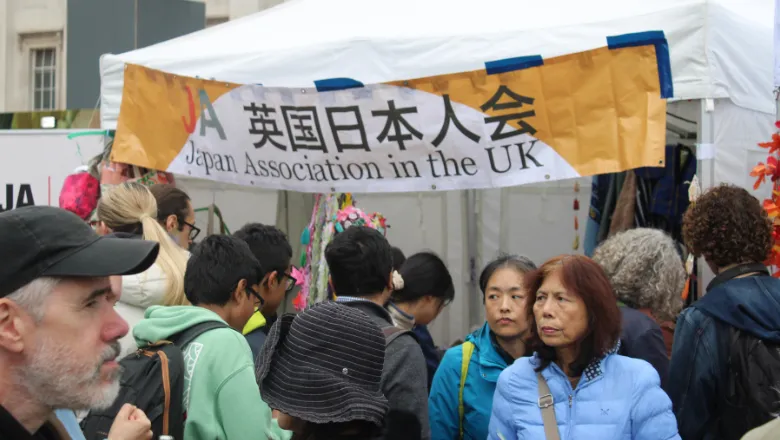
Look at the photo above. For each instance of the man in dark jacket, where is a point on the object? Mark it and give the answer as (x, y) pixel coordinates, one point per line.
(728, 227)
(360, 262)
(272, 249)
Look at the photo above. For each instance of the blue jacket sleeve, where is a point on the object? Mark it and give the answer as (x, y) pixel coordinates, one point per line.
(443, 400)
(693, 373)
(651, 411)
(502, 425)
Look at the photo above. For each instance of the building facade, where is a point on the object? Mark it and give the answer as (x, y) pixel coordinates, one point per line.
(34, 49)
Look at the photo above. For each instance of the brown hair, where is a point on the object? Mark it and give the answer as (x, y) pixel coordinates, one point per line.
(170, 201)
(583, 277)
(726, 226)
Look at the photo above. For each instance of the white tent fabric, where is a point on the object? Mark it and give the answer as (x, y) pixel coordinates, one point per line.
(777, 43)
(719, 49)
(301, 41)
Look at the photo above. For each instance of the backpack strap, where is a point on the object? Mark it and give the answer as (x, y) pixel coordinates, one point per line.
(392, 333)
(468, 351)
(184, 337)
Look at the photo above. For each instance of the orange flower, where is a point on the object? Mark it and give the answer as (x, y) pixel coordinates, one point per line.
(773, 145)
(759, 172)
(771, 208)
(772, 168)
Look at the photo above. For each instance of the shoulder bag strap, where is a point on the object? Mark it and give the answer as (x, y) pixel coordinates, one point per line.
(546, 404)
(468, 350)
(188, 335)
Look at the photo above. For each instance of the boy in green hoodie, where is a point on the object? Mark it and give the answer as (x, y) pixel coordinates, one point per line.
(221, 395)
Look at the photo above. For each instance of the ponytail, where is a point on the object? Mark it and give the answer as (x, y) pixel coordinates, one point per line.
(172, 260)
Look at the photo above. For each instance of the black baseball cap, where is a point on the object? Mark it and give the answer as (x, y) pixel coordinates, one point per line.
(44, 241)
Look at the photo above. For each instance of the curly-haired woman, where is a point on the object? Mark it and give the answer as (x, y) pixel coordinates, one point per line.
(648, 277)
(728, 228)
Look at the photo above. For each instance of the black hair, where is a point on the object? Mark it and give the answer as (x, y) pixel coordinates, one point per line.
(360, 261)
(424, 274)
(398, 258)
(521, 264)
(170, 201)
(216, 267)
(269, 245)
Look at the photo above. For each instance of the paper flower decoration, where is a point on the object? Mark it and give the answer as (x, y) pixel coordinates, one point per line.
(771, 169)
(298, 275)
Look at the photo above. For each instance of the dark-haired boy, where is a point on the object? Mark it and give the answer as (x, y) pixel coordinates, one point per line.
(221, 396)
(271, 248)
(361, 263)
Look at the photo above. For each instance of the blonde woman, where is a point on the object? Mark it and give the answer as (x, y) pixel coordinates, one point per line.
(130, 210)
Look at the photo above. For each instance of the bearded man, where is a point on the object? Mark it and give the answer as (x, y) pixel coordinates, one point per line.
(59, 332)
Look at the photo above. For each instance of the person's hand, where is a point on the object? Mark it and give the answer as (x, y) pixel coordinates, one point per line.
(130, 424)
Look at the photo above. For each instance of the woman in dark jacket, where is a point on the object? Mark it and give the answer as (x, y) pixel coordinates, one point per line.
(648, 276)
(422, 288)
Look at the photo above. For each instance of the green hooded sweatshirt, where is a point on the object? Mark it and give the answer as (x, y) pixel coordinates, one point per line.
(221, 395)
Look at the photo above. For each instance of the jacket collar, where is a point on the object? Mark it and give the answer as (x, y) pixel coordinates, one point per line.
(401, 319)
(369, 307)
(594, 370)
(736, 272)
(488, 355)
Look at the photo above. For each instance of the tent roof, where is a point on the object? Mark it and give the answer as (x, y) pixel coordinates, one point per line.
(719, 48)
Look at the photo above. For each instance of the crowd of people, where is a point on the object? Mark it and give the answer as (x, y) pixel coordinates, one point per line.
(574, 348)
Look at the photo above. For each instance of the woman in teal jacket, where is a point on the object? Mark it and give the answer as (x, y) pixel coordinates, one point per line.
(459, 405)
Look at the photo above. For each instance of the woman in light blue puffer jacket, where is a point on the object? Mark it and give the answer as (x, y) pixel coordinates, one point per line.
(594, 393)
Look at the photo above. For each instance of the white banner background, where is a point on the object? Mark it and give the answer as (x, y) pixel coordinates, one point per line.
(456, 163)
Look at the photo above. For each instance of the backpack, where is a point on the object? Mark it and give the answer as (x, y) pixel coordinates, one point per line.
(752, 388)
(152, 380)
(392, 333)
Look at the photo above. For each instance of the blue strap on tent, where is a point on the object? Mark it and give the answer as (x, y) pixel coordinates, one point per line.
(513, 64)
(333, 84)
(658, 39)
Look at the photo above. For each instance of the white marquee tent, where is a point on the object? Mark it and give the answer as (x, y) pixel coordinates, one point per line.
(721, 55)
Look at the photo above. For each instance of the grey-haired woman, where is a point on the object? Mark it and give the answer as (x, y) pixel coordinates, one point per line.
(648, 277)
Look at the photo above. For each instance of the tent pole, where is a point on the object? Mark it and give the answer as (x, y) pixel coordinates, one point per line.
(472, 249)
(705, 171)
(777, 103)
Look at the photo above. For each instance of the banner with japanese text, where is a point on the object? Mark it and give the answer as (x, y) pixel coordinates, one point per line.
(518, 121)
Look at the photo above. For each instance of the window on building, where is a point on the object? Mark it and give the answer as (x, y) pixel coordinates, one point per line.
(43, 82)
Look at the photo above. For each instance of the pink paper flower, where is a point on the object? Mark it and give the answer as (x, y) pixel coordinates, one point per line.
(298, 275)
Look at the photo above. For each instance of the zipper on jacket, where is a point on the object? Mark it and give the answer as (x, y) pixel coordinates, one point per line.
(570, 399)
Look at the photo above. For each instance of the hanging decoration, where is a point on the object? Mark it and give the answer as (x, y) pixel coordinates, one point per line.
(694, 191)
(331, 215)
(576, 245)
(771, 170)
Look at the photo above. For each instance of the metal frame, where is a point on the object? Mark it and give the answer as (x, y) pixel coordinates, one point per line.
(705, 170)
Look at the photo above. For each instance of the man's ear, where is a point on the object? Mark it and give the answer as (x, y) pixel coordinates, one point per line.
(270, 279)
(390, 280)
(13, 324)
(240, 293)
(102, 229)
(171, 223)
